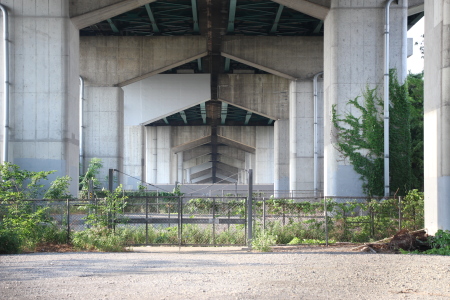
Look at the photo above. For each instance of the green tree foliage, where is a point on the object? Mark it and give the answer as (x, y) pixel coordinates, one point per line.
(17, 184)
(360, 138)
(415, 91)
(59, 189)
(91, 174)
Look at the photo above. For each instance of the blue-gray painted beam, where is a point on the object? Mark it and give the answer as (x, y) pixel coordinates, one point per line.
(247, 117)
(277, 19)
(113, 27)
(231, 16)
(165, 120)
(203, 111)
(270, 122)
(318, 27)
(223, 114)
(199, 63)
(227, 64)
(194, 15)
(183, 116)
(152, 18)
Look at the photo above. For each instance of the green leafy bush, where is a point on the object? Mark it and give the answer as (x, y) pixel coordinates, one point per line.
(263, 241)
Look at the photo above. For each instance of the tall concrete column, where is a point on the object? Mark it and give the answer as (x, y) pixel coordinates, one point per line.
(263, 171)
(437, 115)
(104, 130)
(188, 175)
(281, 158)
(43, 88)
(134, 153)
(164, 164)
(151, 154)
(180, 167)
(301, 137)
(354, 55)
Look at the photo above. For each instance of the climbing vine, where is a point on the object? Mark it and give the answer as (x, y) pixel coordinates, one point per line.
(360, 138)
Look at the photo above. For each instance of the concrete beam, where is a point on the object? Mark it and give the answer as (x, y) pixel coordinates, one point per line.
(87, 13)
(200, 174)
(227, 169)
(120, 61)
(231, 161)
(412, 10)
(258, 66)
(266, 95)
(161, 70)
(232, 143)
(196, 152)
(197, 161)
(192, 144)
(306, 7)
(298, 57)
(231, 153)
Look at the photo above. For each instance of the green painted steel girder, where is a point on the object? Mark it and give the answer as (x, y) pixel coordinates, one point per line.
(194, 15)
(152, 18)
(231, 16)
(318, 27)
(183, 116)
(165, 121)
(203, 111)
(247, 117)
(227, 65)
(277, 19)
(113, 27)
(223, 113)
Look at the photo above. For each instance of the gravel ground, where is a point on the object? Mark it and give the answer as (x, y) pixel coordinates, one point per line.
(224, 273)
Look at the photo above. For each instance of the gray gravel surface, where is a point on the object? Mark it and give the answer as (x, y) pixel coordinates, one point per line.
(224, 273)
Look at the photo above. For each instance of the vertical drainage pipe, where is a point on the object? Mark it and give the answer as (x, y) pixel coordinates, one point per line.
(6, 84)
(316, 158)
(386, 99)
(81, 126)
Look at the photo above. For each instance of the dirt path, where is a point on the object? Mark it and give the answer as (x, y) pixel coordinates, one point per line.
(224, 273)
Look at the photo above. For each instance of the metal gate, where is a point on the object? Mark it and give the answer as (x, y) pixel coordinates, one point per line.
(183, 220)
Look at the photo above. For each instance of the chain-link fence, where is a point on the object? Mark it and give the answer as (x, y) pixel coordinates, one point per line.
(183, 220)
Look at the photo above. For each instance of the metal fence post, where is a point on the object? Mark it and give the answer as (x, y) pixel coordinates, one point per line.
(249, 209)
(326, 219)
(68, 221)
(214, 219)
(180, 220)
(264, 213)
(146, 220)
(110, 187)
(400, 213)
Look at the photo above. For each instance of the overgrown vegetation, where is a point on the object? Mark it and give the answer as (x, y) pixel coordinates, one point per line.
(360, 137)
(22, 225)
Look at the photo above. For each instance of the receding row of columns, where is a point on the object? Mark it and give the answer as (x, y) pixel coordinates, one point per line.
(44, 91)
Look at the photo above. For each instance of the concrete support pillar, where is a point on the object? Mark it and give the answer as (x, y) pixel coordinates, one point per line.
(44, 83)
(437, 115)
(249, 164)
(134, 153)
(354, 54)
(103, 115)
(165, 156)
(188, 175)
(281, 158)
(263, 171)
(151, 154)
(301, 137)
(180, 167)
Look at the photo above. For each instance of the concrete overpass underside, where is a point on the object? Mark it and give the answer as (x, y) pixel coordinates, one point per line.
(201, 90)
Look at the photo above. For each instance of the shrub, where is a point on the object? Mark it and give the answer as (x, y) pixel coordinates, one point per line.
(263, 242)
